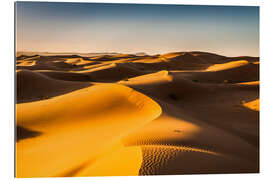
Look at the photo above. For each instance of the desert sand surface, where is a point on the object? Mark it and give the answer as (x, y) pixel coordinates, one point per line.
(113, 114)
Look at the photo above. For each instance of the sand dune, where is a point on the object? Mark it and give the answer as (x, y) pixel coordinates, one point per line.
(229, 65)
(255, 83)
(166, 160)
(101, 120)
(211, 57)
(33, 86)
(40, 65)
(25, 63)
(37, 66)
(232, 72)
(170, 62)
(183, 61)
(178, 143)
(125, 56)
(185, 56)
(168, 86)
(22, 56)
(104, 58)
(66, 76)
(112, 72)
(197, 98)
(123, 161)
(135, 114)
(49, 63)
(79, 61)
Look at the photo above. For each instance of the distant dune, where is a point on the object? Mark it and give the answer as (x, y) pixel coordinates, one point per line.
(36, 86)
(112, 114)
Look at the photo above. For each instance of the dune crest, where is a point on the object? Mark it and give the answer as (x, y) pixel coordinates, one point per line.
(229, 65)
(100, 115)
(32, 86)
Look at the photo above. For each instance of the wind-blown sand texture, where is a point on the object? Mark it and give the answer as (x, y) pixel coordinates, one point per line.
(131, 114)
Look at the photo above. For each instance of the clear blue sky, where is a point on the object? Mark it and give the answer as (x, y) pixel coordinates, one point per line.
(131, 28)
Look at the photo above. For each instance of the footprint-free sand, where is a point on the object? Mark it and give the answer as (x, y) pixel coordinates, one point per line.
(129, 114)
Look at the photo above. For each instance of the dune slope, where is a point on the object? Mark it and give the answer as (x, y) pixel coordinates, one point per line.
(99, 115)
(33, 86)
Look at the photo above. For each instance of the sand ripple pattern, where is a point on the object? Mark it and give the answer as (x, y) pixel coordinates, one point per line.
(156, 158)
(166, 160)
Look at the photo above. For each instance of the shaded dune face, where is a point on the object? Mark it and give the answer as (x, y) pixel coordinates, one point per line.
(227, 73)
(33, 86)
(66, 76)
(136, 114)
(166, 160)
(177, 132)
(169, 86)
(113, 72)
(218, 104)
(23, 133)
(177, 61)
(46, 65)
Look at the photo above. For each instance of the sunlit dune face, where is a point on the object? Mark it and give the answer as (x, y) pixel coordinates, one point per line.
(253, 105)
(78, 61)
(26, 63)
(229, 65)
(150, 60)
(124, 161)
(68, 121)
(161, 76)
(250, 83)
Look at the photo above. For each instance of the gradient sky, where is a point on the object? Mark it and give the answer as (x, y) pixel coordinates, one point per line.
(131, 28)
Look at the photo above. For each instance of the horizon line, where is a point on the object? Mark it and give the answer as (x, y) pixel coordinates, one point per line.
(150, 54)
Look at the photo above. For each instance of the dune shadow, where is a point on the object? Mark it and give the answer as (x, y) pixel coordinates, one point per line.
(23, 133)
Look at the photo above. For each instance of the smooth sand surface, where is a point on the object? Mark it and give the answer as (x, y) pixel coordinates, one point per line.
(229, 65)
(77, 127)
(125, 114)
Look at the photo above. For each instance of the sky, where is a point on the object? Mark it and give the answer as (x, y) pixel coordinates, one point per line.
(133, 28)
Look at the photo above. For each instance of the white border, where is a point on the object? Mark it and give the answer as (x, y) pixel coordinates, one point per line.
(195, 2)
(7, 88)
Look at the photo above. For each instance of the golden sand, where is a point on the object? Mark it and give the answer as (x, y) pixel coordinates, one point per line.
(253, 105)
(229, 65)
(122, 115)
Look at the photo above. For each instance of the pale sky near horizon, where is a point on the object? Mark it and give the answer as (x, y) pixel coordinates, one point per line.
(132, 28)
